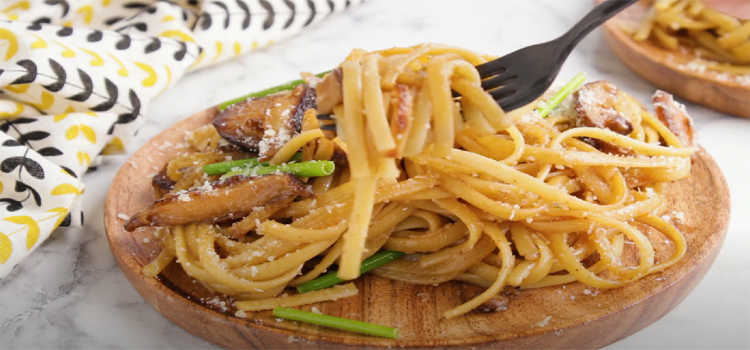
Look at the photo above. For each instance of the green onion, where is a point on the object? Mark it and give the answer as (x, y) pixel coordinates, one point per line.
(336, 322)
(561, 94)
(272, 90)
(331, 279)
(313, 168)
(225, 167)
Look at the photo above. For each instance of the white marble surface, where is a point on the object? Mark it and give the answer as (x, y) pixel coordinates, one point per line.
(71, 294)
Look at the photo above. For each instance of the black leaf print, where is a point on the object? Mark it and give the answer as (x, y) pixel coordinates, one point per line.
(33, 136)
(95, 36)
(20, 187)
(69, 171)
(138, 25)
(5, 125)
(180, 54)
(135, 5)
(49, 152)
(59, 73)
(113, 20)
(31, 166)
(331, 6)
(37, 197)
(226, 11)
(310, 4)
(154, 45)
(65, 31)
(62, 3)
(246, 11)
(81, 217)
(133, 115)
(30, 75)
(348, 3)
(124, 43)
(13, 205)
(270, 14)
(292, 12)
(66, 222)
(37, 23)
(11, 143)
(205, 20)
(88, 87)
(111, 100)
(193, 2)
(184, 15)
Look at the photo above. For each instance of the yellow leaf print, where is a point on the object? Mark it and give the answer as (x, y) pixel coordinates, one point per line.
(83, 158)
(219, 49)
(176, 34)
(87, 12)
(237, 48)
(72, 132)
(61, 211)
(167, 18)
(47, 101)
(255, 45)
(19, 110)
(12, 43)
(39, 43)
(114, 147)
(105, 3)
(33, 235)
(1, 187)
(6, 248)
(89, 133)
(97, 61)
(151, 79)
(67, 52)
(64, 189)
(22, 5)
(123, 72)
(19, 89)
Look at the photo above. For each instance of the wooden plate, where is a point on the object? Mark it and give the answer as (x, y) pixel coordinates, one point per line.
(576, 316)
(667, 69)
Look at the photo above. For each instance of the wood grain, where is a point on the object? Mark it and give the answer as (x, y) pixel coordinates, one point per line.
(665, 68)
(577, 320)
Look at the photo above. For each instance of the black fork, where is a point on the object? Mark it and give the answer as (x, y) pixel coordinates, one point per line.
(519, 78)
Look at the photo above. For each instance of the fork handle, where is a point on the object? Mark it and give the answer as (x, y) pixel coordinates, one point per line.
(598, 15)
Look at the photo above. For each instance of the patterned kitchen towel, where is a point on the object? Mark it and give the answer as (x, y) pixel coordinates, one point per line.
(77, 75)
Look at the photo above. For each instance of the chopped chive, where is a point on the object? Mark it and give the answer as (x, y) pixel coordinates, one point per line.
(272, 90)
(331, 279)
(313, 168)
(336, 322)
(225, 167)
(561, 94)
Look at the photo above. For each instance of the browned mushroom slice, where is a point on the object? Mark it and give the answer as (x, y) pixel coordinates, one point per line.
(596, 102)
(674, 116)
(220, 201)
(329, 92)
(162, 183)
(266, 123)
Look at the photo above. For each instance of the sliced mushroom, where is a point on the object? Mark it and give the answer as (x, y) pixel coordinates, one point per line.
(674, 116)
(220, 201)
(265, 124)
(329, 92)
(162, 183)
(596, 106)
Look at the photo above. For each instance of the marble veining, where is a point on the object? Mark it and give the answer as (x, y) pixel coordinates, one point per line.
(71, 294)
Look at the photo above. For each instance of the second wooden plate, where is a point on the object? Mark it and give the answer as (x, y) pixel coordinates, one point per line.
(671, 70)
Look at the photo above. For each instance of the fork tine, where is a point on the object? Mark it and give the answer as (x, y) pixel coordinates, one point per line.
(503, 92)
(491, 68)
(499, 80)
